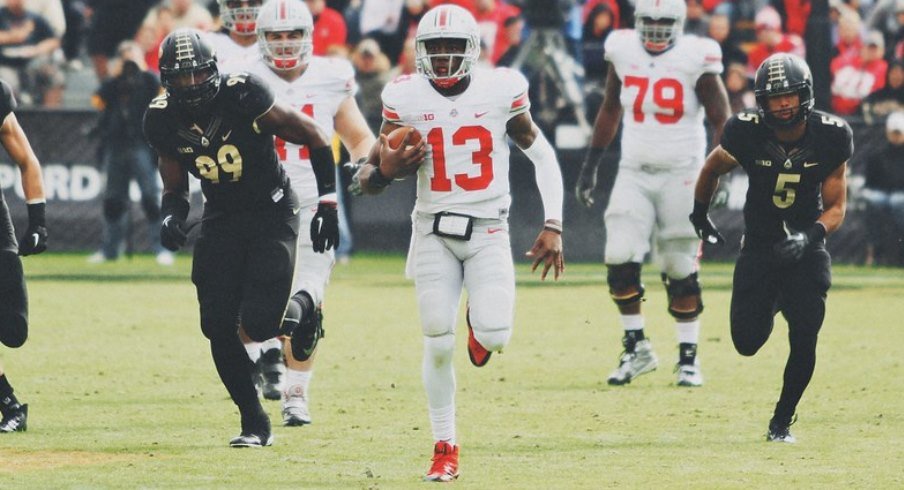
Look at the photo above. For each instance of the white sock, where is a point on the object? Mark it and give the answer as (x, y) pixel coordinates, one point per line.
(273, 343)
(442, 421)
(302, 378)
(254, 350)
(688, 332)
(439, 382)
(632, 322)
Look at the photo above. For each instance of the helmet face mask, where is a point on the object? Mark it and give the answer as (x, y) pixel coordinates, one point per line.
(188, 69)
(447, 45)
(784, 74)
(240, 16)
(659, 23)
(285, 34)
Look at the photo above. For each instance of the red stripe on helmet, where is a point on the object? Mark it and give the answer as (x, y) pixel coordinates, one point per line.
(282, 10)
(443, 17)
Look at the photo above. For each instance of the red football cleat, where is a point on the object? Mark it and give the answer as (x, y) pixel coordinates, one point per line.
(479, 356)
(445, 463)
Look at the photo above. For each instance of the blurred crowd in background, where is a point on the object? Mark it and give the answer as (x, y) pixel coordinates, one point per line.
(57, 53)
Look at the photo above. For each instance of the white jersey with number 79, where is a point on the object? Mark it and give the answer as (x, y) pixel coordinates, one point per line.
(663, 119)
(467, 166)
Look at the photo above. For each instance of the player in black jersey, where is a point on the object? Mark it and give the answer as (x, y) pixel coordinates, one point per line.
(13, 296)
(795, 159)
(220, 129)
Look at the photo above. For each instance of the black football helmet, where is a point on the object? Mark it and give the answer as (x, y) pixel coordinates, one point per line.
(188, 68)
(780, 74)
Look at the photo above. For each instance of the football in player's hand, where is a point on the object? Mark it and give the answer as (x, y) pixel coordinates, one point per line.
(398, 135)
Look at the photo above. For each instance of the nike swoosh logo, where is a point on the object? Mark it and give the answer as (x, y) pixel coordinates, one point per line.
(478, 115)
(810, 164)
(296, 210)
(36, 238)
(494, 230)
(226, 136)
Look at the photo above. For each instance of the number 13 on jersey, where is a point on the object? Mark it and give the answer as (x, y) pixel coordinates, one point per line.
(481, 157)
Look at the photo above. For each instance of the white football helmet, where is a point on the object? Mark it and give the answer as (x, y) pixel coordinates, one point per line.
(239, 16)
(447, 22)
(285, 16)
(658, 36)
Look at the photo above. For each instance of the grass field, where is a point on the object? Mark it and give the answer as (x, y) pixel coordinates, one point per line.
(123, 392)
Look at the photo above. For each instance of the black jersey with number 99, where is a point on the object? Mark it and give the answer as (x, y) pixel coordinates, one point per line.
(222, 147)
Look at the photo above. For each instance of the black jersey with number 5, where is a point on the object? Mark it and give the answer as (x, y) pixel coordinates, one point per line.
(785, 180)
(224, 147)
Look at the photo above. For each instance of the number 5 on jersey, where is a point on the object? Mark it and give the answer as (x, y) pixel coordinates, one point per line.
(482, 157)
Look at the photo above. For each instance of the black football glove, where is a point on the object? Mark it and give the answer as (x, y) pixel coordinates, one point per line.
(704, 227)
(173, 233)
(34, 241)
(793, 247)
(594, 170)
(325, 227)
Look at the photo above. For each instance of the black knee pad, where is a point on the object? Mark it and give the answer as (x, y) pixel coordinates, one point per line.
(625, 276)
(214, 326)
(151, 208)
(14, 303)
(259, 323)
(683, 288)
(114, 209)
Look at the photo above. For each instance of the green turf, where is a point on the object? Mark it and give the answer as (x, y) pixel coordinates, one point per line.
(123, 392)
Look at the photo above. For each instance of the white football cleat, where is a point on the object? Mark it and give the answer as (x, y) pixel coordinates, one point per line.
(633, 364)
(295, 407)
(689, 374)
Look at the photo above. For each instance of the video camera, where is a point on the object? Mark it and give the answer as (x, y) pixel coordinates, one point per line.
(546, 14)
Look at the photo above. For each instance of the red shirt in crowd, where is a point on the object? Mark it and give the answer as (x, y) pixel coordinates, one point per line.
(329, 31)
(789, 44)
(853, 80)
(467, 4)
(492, 28)
(613, 7)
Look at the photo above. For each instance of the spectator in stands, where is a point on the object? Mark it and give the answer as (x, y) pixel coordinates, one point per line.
(26, 62)
(849, 39)
(123, 100)
(112, 21)
(884, 193)
(886, 17)
(737, 85)
(720, 31)
(855, 78)
(878, 105)
(407, 61)
(771, 39)
(73, 39)
(330, 32)
(514, 35)
(697, 22)
(50, 10)
(371, 73)
(380, 21)
(187, 13)
(411, 15)
(491, 16)
(600, 22)
(613, 5)
(794, 15)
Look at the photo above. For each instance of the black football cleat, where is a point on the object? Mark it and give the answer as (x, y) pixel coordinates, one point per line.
(16, 420)
(254, 434)
(781, 431)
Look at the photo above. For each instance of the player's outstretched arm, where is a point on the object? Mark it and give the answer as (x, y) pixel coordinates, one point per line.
(13, 138)
(834, 199)
(714, 99)
(604, 129)
(352, 129)
(547, 248)
(174, 205)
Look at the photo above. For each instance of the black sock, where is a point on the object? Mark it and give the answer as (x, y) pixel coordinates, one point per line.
(8, 401)
(301, 305)
(686, 354)
(632, 337)
(234, 368)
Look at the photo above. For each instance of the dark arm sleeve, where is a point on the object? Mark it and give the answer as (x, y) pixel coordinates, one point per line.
(254, 98)
(732, 139)
(7, 101)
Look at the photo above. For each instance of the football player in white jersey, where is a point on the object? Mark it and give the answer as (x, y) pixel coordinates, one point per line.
(460, 235)
(238, 46)
(666, 81)
(324, 89)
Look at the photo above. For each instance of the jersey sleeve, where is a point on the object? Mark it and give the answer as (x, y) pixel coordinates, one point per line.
(736, 133)
(345, 74)
(251, 95)
(392, 97)
(615, 45)
(7, 101)
(711, 56)
(154, 126)
(515, 88)
(845, 142)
